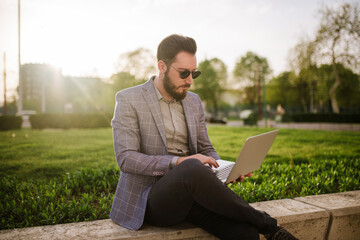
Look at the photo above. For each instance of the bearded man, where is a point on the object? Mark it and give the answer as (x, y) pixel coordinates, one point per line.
(165, 156)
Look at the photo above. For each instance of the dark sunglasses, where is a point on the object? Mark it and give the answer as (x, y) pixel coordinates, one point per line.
(184, 74)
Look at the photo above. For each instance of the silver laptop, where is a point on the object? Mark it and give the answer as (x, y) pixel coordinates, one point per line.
(250, 158)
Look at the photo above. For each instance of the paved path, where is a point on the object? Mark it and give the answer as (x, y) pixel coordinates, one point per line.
(315, 126)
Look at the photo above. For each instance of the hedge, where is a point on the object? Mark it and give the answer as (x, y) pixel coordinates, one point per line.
(10, 122)
(321, 117)
(79, 196)
(252, 119)
(88, 194)
(65, 121)
(281, 180)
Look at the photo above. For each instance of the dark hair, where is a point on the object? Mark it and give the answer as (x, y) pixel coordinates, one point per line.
(172, 45)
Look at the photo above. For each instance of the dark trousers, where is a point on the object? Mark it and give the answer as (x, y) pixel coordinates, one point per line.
(191, 192)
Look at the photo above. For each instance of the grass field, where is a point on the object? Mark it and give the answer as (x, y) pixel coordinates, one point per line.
(51, 177)
(303, 145)
(34, 154)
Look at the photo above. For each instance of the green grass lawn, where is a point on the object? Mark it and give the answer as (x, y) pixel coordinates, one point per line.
(303, 145)
(45, 154)
(62, 176)
(35, 154)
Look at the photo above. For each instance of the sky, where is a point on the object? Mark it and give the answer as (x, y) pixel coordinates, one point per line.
(86, 37)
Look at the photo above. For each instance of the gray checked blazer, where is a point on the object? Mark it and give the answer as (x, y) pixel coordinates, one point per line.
(140, 148)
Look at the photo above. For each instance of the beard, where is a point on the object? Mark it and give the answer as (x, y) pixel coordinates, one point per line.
(171, 88)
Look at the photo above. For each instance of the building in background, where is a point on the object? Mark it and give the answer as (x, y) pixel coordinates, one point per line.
(36, 81)
(46, 90)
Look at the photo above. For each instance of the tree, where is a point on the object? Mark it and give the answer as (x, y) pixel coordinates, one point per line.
(306, 83)
(124, 80)
(290, 89)
(348, 92)
(248, 70)
(302, 60)
(209, 85)
(140, 63)
(338, 40)
(281, 90)
(302, 55)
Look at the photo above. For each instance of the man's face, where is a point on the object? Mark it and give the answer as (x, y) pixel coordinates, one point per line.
(174, 85)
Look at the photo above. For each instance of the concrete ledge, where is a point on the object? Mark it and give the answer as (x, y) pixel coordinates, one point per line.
(345, 213)
(104, 229)
(328, 216)
(302, 220)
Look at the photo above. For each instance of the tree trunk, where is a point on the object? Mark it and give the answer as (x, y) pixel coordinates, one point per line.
(259, 97)
(332, 92)
(302, 98)
(311, 97)
(216, 108)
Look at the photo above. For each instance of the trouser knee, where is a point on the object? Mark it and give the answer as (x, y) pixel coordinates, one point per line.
(193, 168)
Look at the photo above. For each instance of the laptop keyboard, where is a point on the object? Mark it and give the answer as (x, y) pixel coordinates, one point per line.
(224, 173)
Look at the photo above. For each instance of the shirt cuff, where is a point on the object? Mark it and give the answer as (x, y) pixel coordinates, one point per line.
(173, 162)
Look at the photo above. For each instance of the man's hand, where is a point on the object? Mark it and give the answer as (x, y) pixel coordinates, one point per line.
(202, 158)
(241, 178)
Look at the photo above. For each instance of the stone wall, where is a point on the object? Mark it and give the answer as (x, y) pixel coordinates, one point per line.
(327, 216)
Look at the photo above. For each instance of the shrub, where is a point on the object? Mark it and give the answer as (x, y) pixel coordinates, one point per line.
(81, 196)
(321, 117)
(88, 194)
(252, 119)
(65, 121)
(282, 180)
(10, 122)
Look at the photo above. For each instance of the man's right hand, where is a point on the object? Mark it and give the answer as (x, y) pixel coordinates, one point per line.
(202, 158)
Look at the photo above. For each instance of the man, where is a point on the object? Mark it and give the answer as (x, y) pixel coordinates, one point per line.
(165, 155)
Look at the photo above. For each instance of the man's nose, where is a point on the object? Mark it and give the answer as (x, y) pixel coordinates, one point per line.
(189, 80)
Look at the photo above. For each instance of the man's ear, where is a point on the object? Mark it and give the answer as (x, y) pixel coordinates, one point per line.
(162, 66)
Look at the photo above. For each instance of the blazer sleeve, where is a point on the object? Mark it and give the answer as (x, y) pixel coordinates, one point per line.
(130, 155)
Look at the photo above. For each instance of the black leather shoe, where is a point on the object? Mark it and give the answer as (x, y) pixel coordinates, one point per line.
(280, 233)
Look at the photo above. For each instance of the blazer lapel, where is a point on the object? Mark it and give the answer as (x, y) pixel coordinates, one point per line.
(191, 125)
(153, 103)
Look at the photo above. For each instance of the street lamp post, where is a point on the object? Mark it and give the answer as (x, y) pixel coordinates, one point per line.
(264, 96)
(19, 110)
(5, 104)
